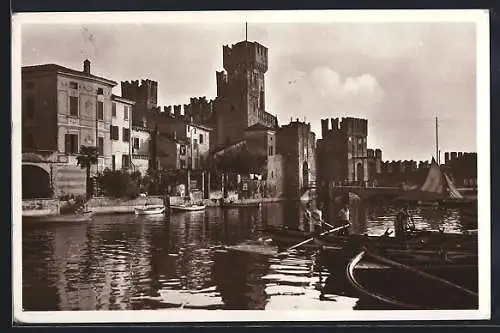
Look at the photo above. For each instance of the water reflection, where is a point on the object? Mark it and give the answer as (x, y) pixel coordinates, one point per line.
(129, 262)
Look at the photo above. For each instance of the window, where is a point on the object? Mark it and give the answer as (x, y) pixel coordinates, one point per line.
(113, 109)
(125, 161)
(100, 146)
(183, 164)
(125, 112)
(113, 162)
(71, 143)
(30, 106)
(271, 151)
(114, 132)
(195, 143)
(201, 138)
(182, 150)
(73, 106)
(100, 91)
(29, 85)
(126, 135)
(100, 110)
(136, 143)
(73, 85)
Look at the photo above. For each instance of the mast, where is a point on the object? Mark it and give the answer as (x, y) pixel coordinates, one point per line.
(437, 142)
(246, 31)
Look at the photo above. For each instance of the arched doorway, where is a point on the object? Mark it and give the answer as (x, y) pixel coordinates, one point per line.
(305, 174)
(36, 182)
(360, 172)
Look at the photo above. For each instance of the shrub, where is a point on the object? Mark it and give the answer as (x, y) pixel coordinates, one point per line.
(119, 184)
(71, 203)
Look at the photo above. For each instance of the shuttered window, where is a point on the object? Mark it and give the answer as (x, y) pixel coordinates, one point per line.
(71, 143)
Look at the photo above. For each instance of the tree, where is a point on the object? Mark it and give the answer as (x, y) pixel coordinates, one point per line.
(87, 157)
(239, 160)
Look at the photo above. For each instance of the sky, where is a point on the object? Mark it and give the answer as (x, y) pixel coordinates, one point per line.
(398, 75)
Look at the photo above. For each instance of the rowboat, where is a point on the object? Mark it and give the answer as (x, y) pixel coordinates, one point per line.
(405, 287)
(283, 237)
(150, 210)
(63, 218)
(188, 207)
(240, 204)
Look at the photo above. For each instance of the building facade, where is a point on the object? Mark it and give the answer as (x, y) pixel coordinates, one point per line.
(62, 110)
(297, 146)
(240, 101)
(120, 133)
(343, 155)
(140, 147)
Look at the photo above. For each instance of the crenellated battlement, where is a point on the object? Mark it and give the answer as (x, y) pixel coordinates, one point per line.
(143, 92)
(345, 125)
(245, 54)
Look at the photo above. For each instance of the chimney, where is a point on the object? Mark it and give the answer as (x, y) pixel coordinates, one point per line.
(86, 66)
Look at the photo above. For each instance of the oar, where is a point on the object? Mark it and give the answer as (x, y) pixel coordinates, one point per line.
(312, 238)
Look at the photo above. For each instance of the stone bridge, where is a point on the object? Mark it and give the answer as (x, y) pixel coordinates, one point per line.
(366, 192)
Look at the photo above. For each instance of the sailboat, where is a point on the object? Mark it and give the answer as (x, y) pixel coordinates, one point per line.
(437, 189)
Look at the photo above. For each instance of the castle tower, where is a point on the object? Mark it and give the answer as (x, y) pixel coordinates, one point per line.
(240, 99)
(145, 96)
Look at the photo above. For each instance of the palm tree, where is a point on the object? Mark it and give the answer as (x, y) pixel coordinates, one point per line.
(86, 158)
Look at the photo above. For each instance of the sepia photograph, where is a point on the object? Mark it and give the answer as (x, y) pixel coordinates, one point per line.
(251, 166)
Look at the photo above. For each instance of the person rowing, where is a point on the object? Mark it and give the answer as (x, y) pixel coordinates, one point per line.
(404, 222)
(314, 218)
(344, 218)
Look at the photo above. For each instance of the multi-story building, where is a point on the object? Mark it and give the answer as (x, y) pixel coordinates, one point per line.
(120, 133)
(261, 142)
(64, 109)
(297, 146)
(195, 135)
(140, 149)
(240, 101)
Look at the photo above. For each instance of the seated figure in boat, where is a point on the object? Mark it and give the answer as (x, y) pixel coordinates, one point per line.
(404, 222)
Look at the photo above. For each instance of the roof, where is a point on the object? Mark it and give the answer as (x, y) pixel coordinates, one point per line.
(122, 99)
(230, 147)
(259, 127)
(65, 70)
(171, 137)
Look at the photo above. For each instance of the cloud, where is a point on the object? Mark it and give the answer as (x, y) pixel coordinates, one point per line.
(322, 93)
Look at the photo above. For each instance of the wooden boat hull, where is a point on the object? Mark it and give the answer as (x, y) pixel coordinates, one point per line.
(193, 208)
(65, 218)
(241, 204)
(150, 210)
(420, 239)
(404, 287)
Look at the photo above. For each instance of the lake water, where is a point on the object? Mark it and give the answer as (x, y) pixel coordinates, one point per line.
(136, 262)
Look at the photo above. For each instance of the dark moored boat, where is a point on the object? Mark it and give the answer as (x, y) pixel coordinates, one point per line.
(283, 238)
(406, 287)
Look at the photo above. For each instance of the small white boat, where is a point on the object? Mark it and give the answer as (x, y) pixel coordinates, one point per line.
(188, 207)
(150, 210)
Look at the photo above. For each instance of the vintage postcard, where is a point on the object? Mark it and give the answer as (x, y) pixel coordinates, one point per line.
(251, 166)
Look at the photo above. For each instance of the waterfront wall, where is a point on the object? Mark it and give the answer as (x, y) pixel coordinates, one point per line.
(37, 207)
(104, 205)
